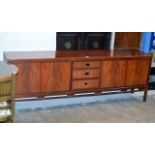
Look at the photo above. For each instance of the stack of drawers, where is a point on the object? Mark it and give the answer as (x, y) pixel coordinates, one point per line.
(85, 75)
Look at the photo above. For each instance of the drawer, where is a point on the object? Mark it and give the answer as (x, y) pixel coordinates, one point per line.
(86, 64)
(86, 73)
(85, 84)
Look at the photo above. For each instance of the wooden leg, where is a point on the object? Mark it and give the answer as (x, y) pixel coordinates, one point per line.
(13, 110)
(132, 90)
(145, 95)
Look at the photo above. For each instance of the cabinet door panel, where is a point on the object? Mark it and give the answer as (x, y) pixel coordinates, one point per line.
(56, 76)
(21, 86)
(34, 78)
(137, 72)
(113, 73)
(28, 78)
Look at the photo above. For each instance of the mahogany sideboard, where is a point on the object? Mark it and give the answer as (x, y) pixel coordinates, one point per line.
(47, 74)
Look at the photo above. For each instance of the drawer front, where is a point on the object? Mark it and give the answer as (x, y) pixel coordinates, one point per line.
(85, 84)
(86, 64)
(86, 73)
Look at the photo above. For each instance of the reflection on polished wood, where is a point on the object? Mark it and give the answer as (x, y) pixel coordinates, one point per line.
(71, 54)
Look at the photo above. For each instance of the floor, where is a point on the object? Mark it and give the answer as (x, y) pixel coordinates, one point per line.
(125, 108)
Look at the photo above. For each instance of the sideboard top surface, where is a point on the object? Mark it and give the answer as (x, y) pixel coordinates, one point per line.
(99, 54)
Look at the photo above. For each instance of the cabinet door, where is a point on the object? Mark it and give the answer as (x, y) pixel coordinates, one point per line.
(128, 40)
(137, 72)
(34, 77)
(28, 79)
(113, 73)
(56, 76)
(21, 85)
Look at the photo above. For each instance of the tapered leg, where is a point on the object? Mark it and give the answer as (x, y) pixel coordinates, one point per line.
(145, 95)
(13, 110)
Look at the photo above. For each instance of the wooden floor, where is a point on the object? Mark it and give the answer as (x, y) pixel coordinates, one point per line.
(130, 110)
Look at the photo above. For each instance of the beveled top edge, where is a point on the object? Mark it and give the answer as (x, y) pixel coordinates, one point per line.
(71, 54)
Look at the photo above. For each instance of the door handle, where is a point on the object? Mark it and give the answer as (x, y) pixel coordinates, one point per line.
(87, 64)
(86, 73)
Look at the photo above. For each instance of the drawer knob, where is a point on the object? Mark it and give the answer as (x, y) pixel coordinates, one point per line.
(85, 83)
(86, 73)
(87, 64)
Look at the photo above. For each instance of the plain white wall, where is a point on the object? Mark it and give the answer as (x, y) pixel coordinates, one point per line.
(26, 41)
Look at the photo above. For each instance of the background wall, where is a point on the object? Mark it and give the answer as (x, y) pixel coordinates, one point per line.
(23, 41)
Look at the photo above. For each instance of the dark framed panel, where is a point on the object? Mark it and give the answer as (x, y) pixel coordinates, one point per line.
(97, 40)
(83, 40)
(69, 41)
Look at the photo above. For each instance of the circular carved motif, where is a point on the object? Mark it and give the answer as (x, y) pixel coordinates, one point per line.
(96, 44)
(68, 45)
